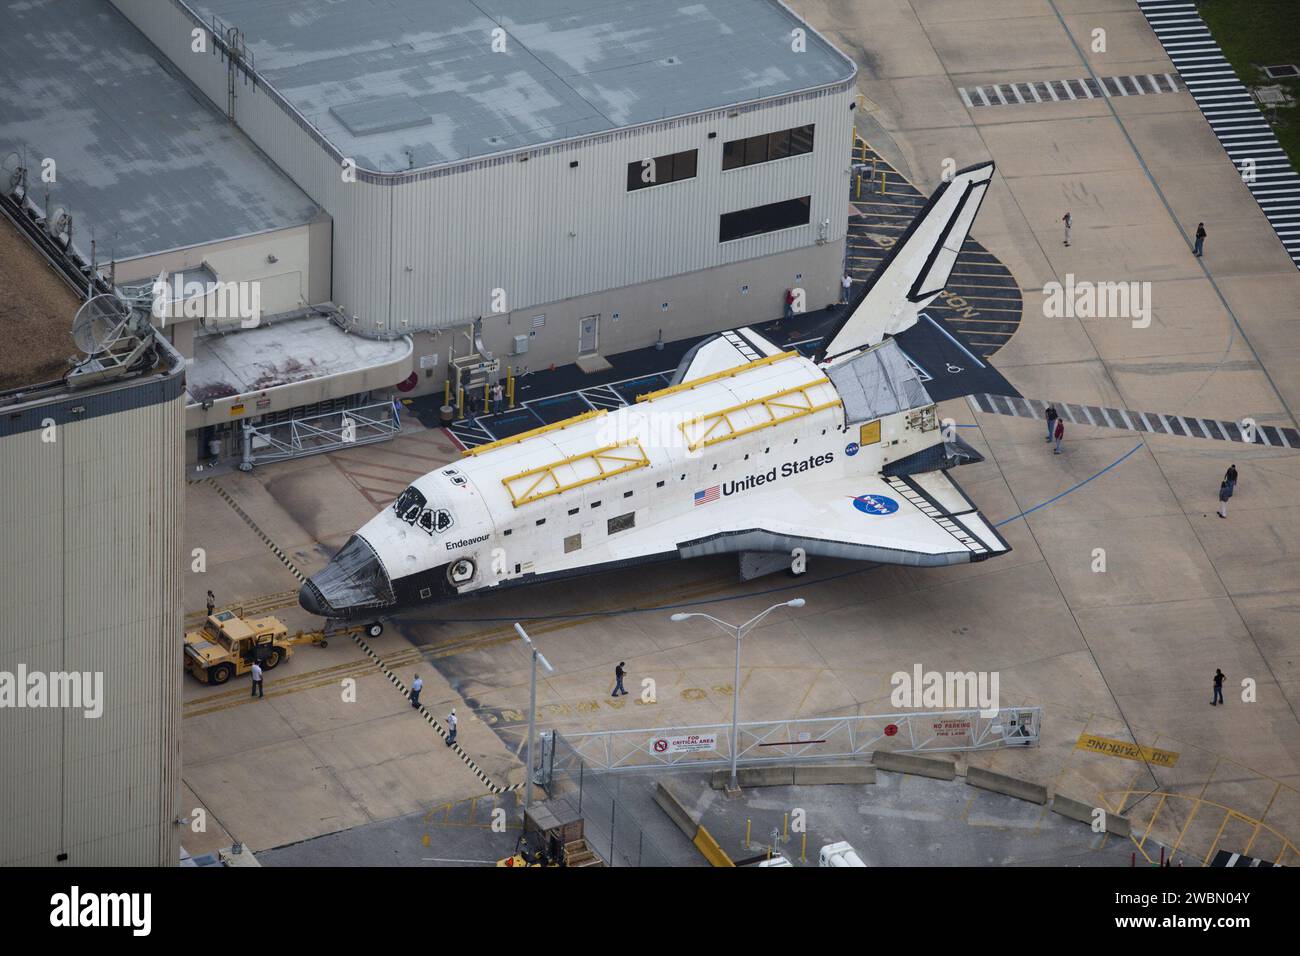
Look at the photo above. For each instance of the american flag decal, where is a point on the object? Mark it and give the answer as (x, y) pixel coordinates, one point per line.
(707, 495)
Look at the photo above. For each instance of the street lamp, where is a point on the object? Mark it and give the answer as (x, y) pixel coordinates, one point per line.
(738, 632)
(532, 709)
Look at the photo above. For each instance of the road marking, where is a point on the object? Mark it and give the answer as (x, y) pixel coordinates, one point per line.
(1109, 747)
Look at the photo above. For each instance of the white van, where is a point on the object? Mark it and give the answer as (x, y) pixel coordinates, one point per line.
(839, 854)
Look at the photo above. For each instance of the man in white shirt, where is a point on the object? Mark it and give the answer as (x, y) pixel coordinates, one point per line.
(845, 285)
(451, 727)
(257, 680)
(417, 685)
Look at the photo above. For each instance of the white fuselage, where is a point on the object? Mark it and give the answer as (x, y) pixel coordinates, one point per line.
(543, 505)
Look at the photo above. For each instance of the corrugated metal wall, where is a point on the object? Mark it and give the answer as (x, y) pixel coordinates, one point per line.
(91, 565)
(428, 252)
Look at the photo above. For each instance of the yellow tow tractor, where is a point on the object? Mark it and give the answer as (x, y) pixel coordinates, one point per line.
(228, 643)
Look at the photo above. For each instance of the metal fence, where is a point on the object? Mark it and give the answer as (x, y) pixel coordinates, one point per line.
(813, 738)
(612, 820)
(319, 433)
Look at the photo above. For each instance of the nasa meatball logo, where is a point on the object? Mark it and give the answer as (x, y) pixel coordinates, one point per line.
(875, 504)
(851, 449)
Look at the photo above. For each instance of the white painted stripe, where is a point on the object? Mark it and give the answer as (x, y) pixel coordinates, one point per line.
(1128, 422)
(965, 98)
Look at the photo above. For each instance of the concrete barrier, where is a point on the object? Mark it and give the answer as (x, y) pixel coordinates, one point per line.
(821, 774)
(700, 837)
(910, 763)
(1078, 810)
(1011, 786)
(676, 812)
(754, 777)
(710, 849)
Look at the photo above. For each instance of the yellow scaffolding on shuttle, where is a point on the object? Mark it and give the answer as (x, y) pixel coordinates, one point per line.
(782, 406)
(542, 482)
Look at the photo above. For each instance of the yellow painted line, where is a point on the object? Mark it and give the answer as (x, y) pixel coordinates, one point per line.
(1109, 747)
(1209, 853)
(1152, 822)
(1260, 822)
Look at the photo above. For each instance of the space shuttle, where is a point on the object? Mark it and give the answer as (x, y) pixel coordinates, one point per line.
(751, 450)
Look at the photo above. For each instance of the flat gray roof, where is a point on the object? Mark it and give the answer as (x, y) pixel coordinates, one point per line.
(142, 157)
(406, 84)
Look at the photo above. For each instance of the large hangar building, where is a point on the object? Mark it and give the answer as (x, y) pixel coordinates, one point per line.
(486, 160)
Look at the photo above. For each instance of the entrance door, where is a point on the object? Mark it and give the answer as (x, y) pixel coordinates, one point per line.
(588, 334)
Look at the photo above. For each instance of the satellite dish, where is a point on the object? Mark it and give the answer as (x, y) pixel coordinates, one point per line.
(58, 224)
(99, 323)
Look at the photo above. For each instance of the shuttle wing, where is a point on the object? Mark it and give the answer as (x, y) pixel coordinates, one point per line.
(723, 352)
(922, 520)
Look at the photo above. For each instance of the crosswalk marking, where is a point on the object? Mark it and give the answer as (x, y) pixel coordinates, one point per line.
(1218, 92)
(1127, 420)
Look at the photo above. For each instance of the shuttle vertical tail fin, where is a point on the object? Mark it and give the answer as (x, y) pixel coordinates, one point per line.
(916, 269)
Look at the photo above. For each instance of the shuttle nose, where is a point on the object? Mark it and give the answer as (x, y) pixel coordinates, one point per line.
(353, 584)
(313, 602)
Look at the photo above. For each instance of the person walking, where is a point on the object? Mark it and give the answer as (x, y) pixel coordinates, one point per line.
(618, 680)
(212, 603)
(788, 313)
(1200, 239)
(846, 284)
(1069, 222)
(417, 685)
(257, 680)
(1225, 492)
(1218, 687)
(1051, 422)
(451, 727)
(498, 398)
(1058, 434)
(1230, 476)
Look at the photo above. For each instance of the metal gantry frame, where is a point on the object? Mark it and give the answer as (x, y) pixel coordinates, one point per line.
(782, 406)
(315, 434)
(608, 460)
(816, 738)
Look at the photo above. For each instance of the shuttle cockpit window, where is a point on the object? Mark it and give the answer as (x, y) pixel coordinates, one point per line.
(413, 508)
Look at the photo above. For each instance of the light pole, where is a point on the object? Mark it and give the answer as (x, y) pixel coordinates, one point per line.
(532, 709)
(738, 632)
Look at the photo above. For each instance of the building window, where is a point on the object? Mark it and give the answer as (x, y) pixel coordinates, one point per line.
(621, 523)
(572, 543)
(767, 147)
(760, 219)
(673, 168)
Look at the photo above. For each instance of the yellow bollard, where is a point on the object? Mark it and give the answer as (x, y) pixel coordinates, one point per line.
(785, 828)
(882, 182)
(748, 823)
(857, 189)
(803, 851)
(460, 402)
(446, 391)
(487, 396)
(510, 386)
